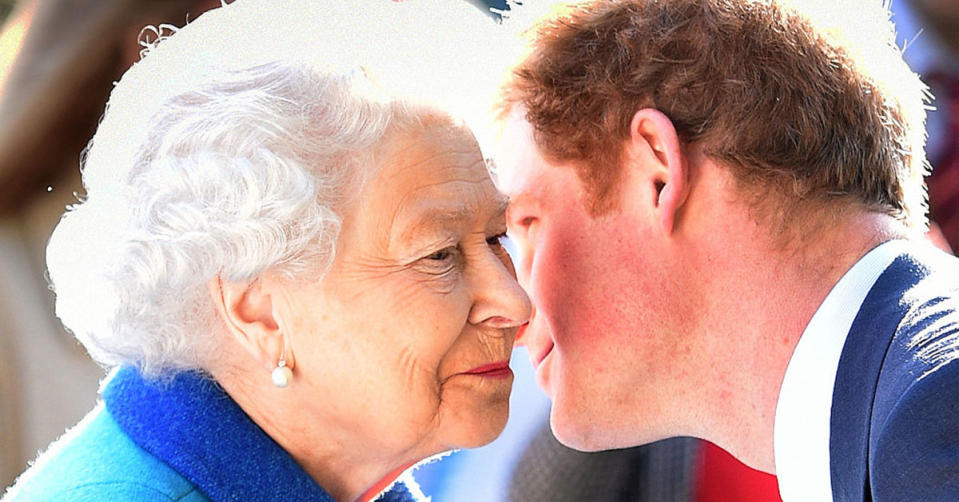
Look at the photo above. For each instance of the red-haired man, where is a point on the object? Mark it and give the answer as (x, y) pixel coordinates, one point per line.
(719, 210)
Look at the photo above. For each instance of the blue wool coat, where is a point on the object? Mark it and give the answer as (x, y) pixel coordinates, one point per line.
(183, 440)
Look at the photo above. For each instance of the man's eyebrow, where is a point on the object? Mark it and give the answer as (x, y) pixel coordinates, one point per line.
(519, 198)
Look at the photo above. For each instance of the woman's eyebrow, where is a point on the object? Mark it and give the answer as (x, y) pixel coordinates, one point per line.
(420, 220)
(502, 205)
(431, 217)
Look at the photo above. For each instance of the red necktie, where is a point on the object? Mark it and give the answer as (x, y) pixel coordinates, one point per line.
(944, 181)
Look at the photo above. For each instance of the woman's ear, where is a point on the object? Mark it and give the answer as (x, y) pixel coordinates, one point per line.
(248, 314)
(654, 142)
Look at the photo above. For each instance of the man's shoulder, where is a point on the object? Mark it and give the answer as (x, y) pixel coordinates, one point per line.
(94, 461)
(914, 444)
(927, 336)
(914, 439)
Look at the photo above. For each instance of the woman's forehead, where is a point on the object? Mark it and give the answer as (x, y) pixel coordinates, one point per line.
(437, 175)
(438, 161)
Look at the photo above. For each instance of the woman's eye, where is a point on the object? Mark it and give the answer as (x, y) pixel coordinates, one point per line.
(496, 240)
(500, 244)
(441, 255)
(442, 262)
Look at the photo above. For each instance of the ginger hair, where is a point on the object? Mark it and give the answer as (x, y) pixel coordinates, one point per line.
(810, 111)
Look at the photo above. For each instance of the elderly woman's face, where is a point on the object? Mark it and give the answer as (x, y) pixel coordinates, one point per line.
(407, 338)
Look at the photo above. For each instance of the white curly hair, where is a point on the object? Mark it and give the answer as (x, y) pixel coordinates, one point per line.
(227, 150)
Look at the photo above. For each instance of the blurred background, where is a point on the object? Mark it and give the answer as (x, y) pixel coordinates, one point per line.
(58, 60)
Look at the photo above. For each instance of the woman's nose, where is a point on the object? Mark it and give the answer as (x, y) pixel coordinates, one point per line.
(499, 301)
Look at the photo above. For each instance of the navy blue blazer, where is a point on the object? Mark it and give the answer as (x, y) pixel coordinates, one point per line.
(894, 431)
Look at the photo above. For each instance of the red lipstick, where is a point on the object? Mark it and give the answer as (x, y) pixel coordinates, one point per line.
(499, 369)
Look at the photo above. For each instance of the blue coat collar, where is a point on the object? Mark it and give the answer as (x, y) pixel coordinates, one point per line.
(193, 426)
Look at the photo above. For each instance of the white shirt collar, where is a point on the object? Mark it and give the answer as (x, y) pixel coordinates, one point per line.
(801, 430)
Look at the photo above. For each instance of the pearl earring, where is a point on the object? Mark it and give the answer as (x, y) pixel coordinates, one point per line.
(281, 375)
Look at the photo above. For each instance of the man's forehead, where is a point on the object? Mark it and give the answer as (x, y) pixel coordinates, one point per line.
(517, 155)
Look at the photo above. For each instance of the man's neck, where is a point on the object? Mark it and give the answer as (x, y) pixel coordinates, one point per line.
(765, 294)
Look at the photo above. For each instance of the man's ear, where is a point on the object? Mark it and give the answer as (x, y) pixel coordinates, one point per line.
(248, 314)
(653, 142)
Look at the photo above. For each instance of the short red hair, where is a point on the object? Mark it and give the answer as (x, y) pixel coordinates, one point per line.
(781, 101)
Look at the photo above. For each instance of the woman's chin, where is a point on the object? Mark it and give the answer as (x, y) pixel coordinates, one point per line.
(481, 426)
(472, 411)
